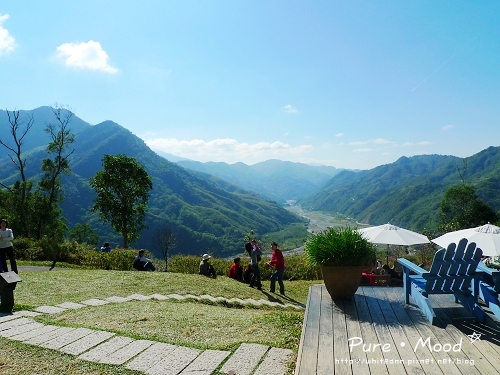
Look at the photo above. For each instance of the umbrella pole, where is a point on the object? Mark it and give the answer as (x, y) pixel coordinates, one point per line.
(387, 255)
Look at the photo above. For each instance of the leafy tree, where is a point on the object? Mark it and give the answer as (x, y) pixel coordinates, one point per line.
(122, 189)
(83, 233)
(164, 240)
(462, 209)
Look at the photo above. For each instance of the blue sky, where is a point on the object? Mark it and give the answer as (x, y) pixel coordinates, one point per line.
(352, 84)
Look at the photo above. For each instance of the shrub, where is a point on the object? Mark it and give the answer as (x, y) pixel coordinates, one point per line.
(339, 246)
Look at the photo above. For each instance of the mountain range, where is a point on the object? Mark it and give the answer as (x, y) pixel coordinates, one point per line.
(206, 216)
(211, 206)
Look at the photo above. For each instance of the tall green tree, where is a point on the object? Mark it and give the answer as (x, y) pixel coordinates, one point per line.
(122, 189)
(462, 209)
(83, 233)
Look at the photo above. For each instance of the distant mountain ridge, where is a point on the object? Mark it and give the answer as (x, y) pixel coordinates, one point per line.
(273, 179)
(205, 217)
(407, 192)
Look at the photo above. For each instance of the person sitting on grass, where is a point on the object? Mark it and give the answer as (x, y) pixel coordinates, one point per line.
(206, 267)
(236, 270)
(141, 263)
(247, 274)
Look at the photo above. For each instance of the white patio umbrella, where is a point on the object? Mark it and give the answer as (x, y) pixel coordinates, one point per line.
(392, 235)
(486, 237)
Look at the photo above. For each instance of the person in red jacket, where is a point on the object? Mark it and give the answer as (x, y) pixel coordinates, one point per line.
(236, 270)
(278, 262)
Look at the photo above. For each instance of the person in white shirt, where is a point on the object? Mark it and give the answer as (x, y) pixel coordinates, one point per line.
(141, 263)
(6, 247)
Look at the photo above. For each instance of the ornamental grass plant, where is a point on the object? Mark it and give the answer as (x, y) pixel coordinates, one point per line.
(339, 246)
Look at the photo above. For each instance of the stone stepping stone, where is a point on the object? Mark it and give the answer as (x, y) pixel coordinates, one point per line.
(192, 296)
(50, 309)
(239, 300)
(117, 299)
(27, 313)
(159, 297)
(177, 296)
(245, 359)
(275, 362)
(71, 305)
(95, 302)
(206, 362)
(174, 362)
(67, 338)
(49, 335)
(150, 356)
(105, 349)
(87, 342)
(139, 297)
(7, 317)
(21, 329)
(127, 352)
(14, 323)
(34, 333)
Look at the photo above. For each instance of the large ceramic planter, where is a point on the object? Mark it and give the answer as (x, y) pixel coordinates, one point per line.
(342, 281)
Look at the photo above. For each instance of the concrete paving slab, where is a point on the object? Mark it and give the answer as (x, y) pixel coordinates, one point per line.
(26, 313)
(14, 323)
(206, 296)
(95, 302)
(71, 305)
(87, 342)
(127, 352)
(139, 297)
(105, 349)
(176, 296)
(151, 356)
(49, 309)
(67, 338)
(34, 333)
(244, 359)
(238, 300)
(21, 329)
(7, 317)
(49, 335)
(117, 299)
(174, 362)
(275, 362)
(159, 297)
(206, 362)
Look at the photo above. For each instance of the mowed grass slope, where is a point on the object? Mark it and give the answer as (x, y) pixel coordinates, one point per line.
(191, 323)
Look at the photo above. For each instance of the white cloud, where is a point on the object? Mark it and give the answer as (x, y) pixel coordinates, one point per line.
(378, 141)
(366, 149)
(227, 150)
(381, 141)
(7, 41)
(423, 143)
(339, 134)
(448, 127)
(290, 109)
(89, 55)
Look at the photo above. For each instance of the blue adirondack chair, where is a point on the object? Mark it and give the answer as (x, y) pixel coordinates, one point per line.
(489, 288)
(453, 271)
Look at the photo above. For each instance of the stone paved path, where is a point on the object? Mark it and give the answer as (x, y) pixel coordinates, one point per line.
(149, 357)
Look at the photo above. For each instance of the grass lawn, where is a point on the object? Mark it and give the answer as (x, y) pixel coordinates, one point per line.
(190, 323)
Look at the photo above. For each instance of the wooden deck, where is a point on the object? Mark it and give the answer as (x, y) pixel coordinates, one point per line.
(396, 338)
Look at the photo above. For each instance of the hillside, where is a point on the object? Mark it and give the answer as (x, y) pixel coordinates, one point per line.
(407, 192)
(273, 179)
(204, 216)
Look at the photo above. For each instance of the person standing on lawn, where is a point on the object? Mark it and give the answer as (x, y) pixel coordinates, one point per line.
(278, 261)
(255, 255)
(6, 247)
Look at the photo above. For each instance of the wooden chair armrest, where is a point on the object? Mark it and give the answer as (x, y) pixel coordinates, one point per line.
(406, 264)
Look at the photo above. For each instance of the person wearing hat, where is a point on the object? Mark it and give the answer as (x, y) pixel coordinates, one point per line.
(6, 247)
(141, 263)
(206, 267)
(278, 261)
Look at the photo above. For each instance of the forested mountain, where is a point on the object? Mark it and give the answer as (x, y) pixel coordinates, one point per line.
(204, 216)
(408, 192)
(273, 179)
